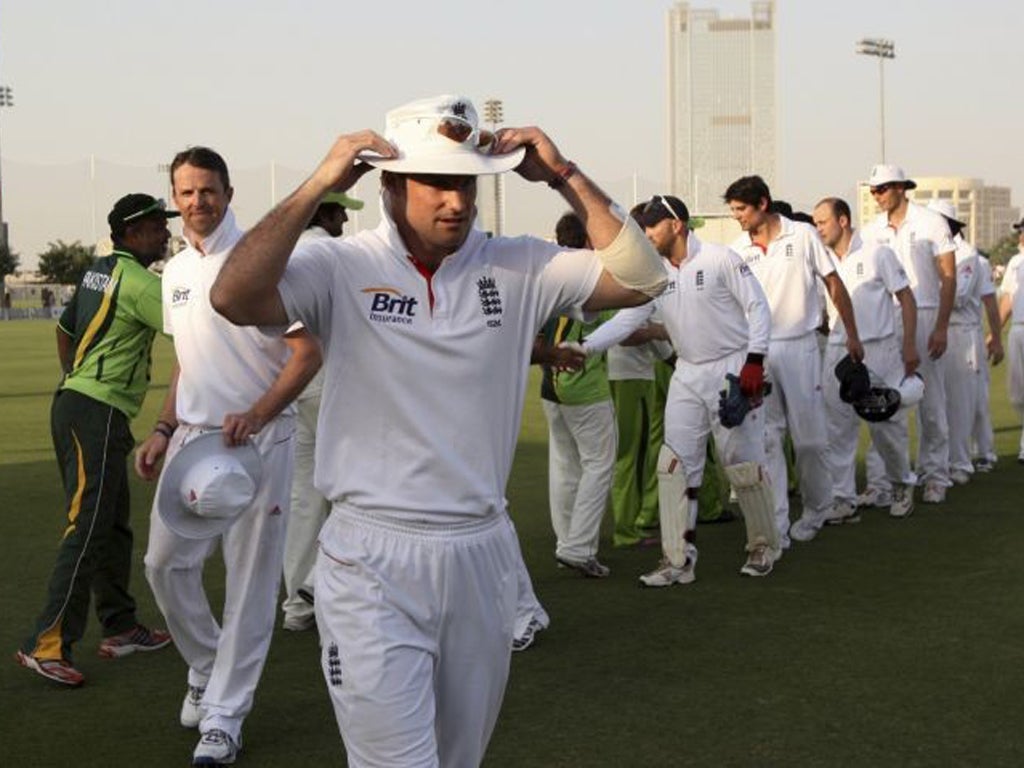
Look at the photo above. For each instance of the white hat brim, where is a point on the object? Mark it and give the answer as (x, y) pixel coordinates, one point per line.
(459, 163)
(173, 511)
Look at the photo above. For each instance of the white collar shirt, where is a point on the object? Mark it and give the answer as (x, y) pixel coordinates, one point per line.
(225, 368)
(872, 274)
(970, 284)
(920, 239)
(425, 381)
(788, 270)
(1012, 280)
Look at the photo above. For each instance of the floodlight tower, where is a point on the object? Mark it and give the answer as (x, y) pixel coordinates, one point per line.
(882, 49)
(493, 114)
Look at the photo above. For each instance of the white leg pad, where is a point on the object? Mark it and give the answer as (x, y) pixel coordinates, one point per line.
(754, 492)
(673, 506)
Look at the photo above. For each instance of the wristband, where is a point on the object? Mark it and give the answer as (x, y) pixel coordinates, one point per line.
(165, 429)
(755, 358)
(563, 175)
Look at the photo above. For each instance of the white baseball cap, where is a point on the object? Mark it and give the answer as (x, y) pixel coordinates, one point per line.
(441, 135)
(947, 209)
(889, 174)
(207, 485)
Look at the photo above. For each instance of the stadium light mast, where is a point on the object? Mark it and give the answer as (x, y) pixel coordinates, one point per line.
(6, 100)
(881, 49)
(493, 114)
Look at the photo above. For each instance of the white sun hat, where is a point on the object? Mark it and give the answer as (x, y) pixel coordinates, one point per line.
(889, 174)
(947, 209)
(441, 135)
(207, 485)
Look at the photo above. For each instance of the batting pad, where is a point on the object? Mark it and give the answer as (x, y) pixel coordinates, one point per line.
(754, 492)
(673, 506)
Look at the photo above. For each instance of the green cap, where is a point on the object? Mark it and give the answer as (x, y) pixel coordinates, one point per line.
(343, 200)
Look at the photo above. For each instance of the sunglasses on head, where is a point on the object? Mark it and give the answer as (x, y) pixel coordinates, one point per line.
(156, 205)
(664, 203)
(459, 131)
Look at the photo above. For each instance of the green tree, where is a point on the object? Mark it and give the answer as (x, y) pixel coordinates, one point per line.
(9, 261)
(1003, 251)
(65, 263)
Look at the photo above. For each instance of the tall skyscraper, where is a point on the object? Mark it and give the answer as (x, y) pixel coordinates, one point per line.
(721, 96)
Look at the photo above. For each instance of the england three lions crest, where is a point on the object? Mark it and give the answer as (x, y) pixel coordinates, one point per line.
(490, 301)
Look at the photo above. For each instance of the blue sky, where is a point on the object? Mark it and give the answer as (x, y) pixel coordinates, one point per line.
(131, 83)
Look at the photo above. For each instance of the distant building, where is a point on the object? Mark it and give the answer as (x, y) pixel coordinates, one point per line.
(986, 210)
(721, 101)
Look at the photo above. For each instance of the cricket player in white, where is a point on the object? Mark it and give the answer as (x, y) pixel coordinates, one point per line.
(427, 326)
(241, 381)
(873, 276)
(983, 439)
(788, 258)
(717, 317)
(922, 240)
(965, 359)
(1011, 302)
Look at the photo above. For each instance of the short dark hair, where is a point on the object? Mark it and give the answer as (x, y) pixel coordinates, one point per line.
(839, 207)
(202, 157)
(637, 212)
(570, 231)
(748, 189)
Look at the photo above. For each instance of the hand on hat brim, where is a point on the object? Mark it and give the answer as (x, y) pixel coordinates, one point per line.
(343, 166)
(543, 161)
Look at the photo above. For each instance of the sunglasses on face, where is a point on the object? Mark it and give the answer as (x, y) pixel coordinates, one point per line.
(881, 189)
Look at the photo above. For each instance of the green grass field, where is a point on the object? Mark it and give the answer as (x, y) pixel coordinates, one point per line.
(889, 643)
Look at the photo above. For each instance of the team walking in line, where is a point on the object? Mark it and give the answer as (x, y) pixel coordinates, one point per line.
(318, 411)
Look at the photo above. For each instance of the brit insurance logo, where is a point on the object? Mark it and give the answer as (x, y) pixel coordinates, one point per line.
(391, 306)
(180, 296)
(490, 300)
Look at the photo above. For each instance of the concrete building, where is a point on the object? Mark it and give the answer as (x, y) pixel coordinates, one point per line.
(986, 210)
(721, 101)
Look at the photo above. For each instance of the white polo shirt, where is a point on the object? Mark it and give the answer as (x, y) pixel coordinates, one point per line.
(713, 307)
(973, 280)
(920, 240)
(424, 382)
(872, 274)
(1013, 278)
(225, 368)
(788, 271)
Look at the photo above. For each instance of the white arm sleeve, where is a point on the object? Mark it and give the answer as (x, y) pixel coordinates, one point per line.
(618, 328)
(750, 295)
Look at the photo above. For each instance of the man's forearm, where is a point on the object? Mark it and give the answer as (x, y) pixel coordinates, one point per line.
(245, 291)
(843, 305)
(947, 290)
(593, 206)
(65, 350)
(297, 372)
(995, 325)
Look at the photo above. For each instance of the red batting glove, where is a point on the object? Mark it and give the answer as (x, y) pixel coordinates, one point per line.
(752, 379)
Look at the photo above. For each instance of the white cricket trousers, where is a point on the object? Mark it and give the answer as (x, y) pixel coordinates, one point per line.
(581, 461)
(962, 366)
(227, 658)
(796, 403)
(882, 356)
(528, 607)
(308, 511)
(691, 414)
(983, 436)
(1015, 372)
(415, 626)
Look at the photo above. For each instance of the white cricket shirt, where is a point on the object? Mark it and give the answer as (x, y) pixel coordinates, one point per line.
(973, 280)
(788, 270)
(1012, 280)
(424, 382)
(920, 240)
(713, 307)
(872, 274)
(225, 368)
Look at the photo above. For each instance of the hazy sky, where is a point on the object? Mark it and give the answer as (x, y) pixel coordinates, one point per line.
(130, 83)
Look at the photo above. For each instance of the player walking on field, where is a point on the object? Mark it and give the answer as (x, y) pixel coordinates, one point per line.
(788, 258)
(873, 276)
(104, 339)
(428, 326)
(717, 317)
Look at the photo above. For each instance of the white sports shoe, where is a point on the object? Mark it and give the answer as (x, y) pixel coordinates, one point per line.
(842, 512)
(215, 747)
(873, 497)
(934, 493)
(192, 711)
(299, 622)
(902, 501)
(960, 476)
(806, 527)
(666, 574)
(525, 640)
(760, 560)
